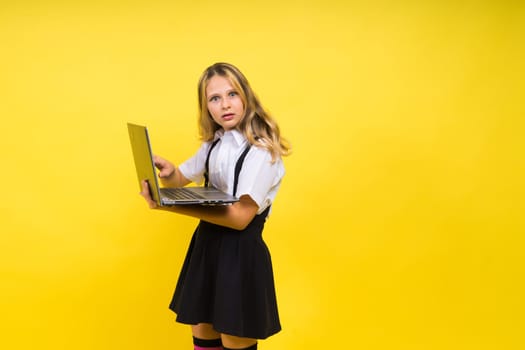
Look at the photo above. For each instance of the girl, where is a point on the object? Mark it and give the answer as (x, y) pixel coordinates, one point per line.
(226, 289)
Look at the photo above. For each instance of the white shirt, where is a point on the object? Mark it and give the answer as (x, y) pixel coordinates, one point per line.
(259, 178)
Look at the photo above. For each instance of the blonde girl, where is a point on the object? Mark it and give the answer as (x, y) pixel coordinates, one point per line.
(225, 290)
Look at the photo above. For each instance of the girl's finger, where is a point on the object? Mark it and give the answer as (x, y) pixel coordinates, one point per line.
(146, 194)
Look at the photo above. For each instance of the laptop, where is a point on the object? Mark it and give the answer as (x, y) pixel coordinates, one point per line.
(143, 157)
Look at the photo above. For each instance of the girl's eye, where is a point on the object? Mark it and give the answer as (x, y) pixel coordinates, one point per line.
(233, 93)
(214, 98)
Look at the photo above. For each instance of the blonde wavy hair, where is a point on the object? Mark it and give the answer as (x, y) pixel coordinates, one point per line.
(257, 125)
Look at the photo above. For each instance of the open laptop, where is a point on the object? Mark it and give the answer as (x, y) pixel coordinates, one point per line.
(140, 145)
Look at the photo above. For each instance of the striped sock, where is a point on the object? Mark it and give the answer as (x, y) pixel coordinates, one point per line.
(207, 344)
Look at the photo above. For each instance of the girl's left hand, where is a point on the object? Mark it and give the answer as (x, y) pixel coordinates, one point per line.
(147, 195)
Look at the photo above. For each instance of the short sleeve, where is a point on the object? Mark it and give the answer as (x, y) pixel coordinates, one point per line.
(260, 178)
(193, 168)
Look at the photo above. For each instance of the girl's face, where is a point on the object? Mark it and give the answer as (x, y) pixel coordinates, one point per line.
(224, 102)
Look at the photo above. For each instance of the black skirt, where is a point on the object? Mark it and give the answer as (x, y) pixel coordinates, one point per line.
(227, 280)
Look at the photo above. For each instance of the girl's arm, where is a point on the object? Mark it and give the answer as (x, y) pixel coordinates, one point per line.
(236, 216)
(169, 175)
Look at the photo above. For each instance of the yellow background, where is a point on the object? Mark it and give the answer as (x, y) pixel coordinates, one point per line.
(400, 222)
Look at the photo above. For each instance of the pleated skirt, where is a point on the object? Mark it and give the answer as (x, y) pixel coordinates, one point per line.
(227, 280)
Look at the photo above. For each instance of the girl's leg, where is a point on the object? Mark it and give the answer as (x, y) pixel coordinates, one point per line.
(205, 337)
(231, 342)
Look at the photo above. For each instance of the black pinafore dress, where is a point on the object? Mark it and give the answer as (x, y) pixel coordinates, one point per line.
(227, 278)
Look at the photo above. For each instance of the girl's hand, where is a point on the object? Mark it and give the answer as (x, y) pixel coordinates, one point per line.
(166, 168)
(147, 195)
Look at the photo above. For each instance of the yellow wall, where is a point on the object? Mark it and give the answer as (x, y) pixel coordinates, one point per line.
(400, 223)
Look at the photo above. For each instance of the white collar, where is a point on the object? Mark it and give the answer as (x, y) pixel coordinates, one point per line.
(235, 134)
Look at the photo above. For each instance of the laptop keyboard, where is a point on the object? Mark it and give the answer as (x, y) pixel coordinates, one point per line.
(181, 193)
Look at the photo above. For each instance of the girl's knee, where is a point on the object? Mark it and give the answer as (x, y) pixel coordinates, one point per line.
(233, 342)
(205, 331)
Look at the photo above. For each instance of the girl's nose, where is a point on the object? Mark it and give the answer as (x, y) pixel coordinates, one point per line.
(225, 103)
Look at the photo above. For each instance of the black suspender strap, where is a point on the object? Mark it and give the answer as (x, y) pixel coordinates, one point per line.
(206, 176)
(238, 167)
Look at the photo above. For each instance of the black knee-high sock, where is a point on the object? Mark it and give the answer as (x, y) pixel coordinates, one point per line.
(208, 344)
(253, 347)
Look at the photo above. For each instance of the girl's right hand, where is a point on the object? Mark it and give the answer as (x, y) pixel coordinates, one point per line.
(166, 168)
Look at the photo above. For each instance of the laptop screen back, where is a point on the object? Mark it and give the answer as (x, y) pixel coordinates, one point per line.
(143, 158)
